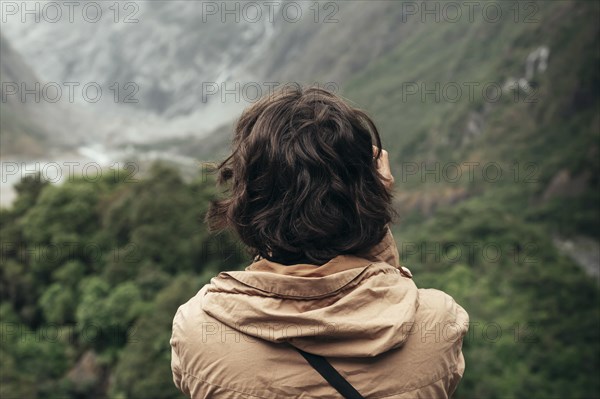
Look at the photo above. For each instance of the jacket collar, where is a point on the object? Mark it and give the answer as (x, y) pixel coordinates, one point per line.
(335, 265)
(302, 280)
(307, 280)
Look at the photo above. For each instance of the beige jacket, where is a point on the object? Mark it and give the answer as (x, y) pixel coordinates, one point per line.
(385, 336)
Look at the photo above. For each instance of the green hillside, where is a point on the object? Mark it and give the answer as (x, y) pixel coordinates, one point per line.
(92, 274)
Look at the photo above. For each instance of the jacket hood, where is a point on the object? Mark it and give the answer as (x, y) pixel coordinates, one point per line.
(352, 306)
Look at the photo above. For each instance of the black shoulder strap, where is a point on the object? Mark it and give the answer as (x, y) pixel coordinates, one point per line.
(330, 374)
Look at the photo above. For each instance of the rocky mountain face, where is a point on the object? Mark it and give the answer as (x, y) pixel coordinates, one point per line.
(24, 122)
(37, 120)
(179, 68)
(151, 61)
(17, 130)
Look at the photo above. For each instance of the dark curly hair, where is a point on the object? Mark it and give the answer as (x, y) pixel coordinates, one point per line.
(303, 185)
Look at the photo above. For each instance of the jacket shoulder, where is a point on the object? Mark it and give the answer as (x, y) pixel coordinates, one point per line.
(440, 319)
(441, 305)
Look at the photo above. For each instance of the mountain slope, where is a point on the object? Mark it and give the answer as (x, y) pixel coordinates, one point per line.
(20, 133)
(491, 241)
